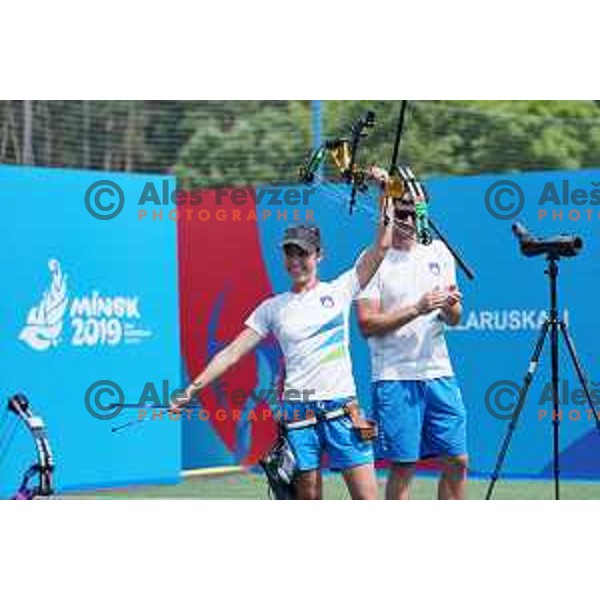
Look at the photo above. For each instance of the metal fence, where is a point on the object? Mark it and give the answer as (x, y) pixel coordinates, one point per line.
(254, 142)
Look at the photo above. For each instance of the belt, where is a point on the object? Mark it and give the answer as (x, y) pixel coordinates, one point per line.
(326, 416)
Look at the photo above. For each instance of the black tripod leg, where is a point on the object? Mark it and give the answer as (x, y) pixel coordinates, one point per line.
(533, 364)
(556, 415)
(580, 372)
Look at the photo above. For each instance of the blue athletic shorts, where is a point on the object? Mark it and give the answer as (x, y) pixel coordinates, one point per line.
(336, 438)
(419, 419)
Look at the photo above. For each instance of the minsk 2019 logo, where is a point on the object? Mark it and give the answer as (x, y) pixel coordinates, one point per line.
(94, 319)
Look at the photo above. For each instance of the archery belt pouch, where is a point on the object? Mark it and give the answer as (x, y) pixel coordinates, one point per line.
(366, 429)
(279, 465)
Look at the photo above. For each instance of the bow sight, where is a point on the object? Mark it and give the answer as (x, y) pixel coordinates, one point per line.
(402, 183)
(343, 152)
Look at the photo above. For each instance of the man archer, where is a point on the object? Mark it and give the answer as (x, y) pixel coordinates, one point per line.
(416, 399)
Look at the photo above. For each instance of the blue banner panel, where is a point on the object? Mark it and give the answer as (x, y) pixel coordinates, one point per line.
(89, 309)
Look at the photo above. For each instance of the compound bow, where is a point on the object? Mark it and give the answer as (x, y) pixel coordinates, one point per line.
(402, 185)
(43, 469)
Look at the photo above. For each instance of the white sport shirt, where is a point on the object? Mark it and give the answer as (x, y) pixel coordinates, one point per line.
(417, 350)
(312, 330)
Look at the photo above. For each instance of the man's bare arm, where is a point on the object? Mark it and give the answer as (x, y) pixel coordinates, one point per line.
(373, 321)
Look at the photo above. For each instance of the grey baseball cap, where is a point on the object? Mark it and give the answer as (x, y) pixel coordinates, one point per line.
(308, 237)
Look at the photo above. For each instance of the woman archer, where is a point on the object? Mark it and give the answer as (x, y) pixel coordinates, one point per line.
(310, 323)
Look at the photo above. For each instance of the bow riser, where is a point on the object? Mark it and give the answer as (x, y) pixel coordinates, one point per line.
(19, 405)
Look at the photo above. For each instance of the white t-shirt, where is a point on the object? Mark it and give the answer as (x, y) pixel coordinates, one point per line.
(312, 330)
(417, 350)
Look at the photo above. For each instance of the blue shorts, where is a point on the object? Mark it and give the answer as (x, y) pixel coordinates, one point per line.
(336, 438)
(419, 419)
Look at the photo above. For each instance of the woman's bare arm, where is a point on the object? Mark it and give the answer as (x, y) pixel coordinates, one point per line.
(246, 341)
(369, 262)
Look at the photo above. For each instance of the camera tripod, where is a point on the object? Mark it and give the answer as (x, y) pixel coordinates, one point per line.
(552, 325)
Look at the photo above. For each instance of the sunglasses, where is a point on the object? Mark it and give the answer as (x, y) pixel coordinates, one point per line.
(293, 251)
(403, 214)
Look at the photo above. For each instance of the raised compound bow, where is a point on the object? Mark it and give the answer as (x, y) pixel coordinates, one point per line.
(402, 185)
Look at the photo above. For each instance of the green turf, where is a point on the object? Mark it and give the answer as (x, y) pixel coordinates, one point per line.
(250, 486)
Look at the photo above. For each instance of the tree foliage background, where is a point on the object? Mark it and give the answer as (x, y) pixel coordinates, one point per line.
(252, 142)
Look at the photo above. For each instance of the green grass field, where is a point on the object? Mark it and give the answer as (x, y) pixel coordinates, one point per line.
(242, 486)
